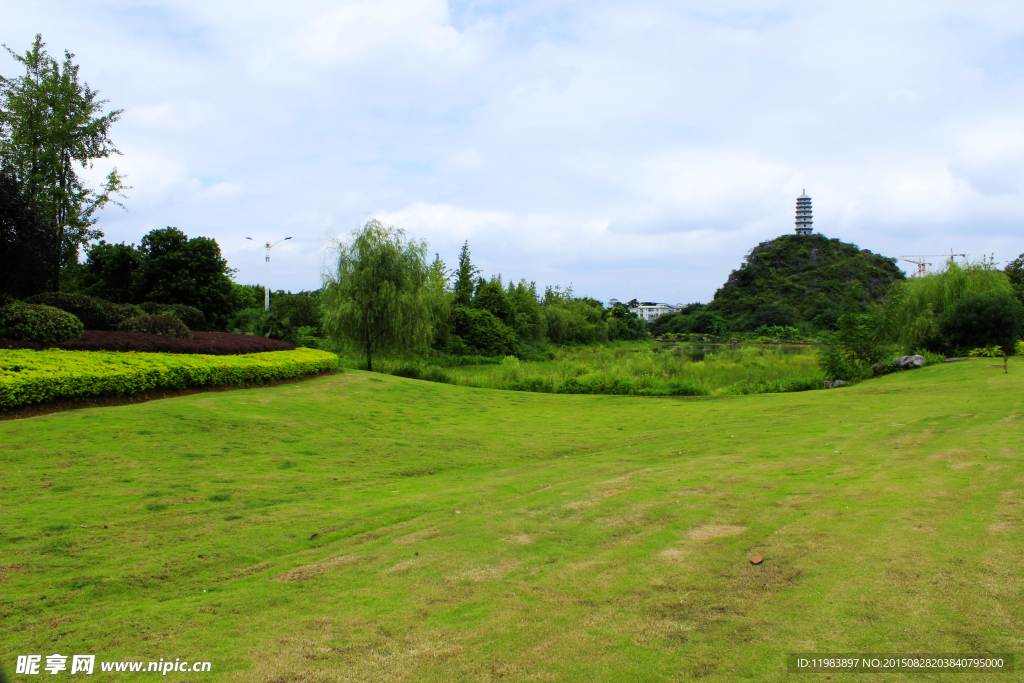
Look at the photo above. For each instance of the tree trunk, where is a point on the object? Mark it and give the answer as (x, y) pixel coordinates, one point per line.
(58, 256)
(369, 353)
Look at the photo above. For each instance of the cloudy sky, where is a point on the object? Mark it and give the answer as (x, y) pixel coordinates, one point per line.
(632, 149)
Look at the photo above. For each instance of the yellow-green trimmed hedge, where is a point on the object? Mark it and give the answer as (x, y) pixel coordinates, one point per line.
(28, 377)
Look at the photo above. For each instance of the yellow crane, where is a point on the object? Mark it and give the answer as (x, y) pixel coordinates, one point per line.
(922, 265)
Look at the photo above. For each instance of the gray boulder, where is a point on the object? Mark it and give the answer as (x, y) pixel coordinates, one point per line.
(909, 362)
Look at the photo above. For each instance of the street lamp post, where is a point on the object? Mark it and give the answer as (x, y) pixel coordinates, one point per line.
(266, 288)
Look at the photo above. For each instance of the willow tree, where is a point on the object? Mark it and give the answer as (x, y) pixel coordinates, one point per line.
(916, 305)
(51, 123)
(378, 296)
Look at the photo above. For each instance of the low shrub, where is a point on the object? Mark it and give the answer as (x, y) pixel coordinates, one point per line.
(208, 343)
(780, 386)
(190, 315)
(835, 364)
(685, 388)
(85, 308)
(445, 360)
(535, 383)
(930, 356)
(600, 384)
(990, 351)
(38, 323)
(269, 325)
(118, 313)
(435, 374)
(28, 377)
(409, 371)
(160, 325)
(95, 313)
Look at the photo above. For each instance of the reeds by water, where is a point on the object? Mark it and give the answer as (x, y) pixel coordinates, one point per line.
(639, 369)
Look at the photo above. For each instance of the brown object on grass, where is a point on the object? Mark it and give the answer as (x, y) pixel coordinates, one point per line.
(756, 559)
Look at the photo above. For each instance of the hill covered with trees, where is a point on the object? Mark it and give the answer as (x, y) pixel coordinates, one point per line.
(796, 279)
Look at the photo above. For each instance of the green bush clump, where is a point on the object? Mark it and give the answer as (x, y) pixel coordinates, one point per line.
(38, 323)
(428, 373)
(483, 330)
(409, 372)
(85, 308)
(95, 313)
(160, 325)
(930, 356)
(982, 319)
(600, 384)
(686, 388)
(534, 383)
(190, 315)
(28, 377)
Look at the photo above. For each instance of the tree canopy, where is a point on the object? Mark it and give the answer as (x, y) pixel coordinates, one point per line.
(377, 298)
(177, 270)
(51, 122)
(916, 306)
(111, 270)
(26, 247)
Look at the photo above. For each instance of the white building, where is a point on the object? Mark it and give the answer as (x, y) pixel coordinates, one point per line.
(649, 310)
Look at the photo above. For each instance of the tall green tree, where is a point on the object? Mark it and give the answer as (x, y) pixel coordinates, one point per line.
(465, 282)
(527, 317)
(378, 296)
(25, 246)
(110, 271)
(51, 123)
(1015, 272)
(438, 286)
(916, 305)
(179, 270)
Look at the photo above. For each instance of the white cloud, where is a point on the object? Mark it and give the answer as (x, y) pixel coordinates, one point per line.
(187, 117)
(634, 149)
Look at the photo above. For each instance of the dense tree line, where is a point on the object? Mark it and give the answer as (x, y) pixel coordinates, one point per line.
(383, 295)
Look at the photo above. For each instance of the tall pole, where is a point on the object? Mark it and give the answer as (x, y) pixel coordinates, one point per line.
(266, 286)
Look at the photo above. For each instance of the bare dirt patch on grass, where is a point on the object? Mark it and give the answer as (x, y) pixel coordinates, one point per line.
(519, 539)
(488, 572)
(8, 570)
(710, 531)
(308, 571)
(418, 536)
(579, 504)
(1009, 515)
(324, 651)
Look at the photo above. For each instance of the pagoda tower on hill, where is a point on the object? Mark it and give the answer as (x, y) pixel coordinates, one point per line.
(803, 215)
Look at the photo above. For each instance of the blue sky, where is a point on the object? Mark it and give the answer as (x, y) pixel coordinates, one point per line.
(629, 149)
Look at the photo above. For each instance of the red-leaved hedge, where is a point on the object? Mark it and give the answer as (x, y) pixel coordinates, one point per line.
(211, 343)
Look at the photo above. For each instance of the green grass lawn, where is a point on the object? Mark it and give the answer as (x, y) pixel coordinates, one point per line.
(364, 527)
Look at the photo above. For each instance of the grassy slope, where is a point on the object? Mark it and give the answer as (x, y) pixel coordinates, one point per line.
(588, 546)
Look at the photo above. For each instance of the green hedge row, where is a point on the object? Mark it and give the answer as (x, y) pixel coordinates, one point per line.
(28, 377)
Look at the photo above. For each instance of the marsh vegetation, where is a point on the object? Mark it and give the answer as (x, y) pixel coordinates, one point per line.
(636, 368)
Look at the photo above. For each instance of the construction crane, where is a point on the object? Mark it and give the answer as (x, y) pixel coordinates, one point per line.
(922, 265)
